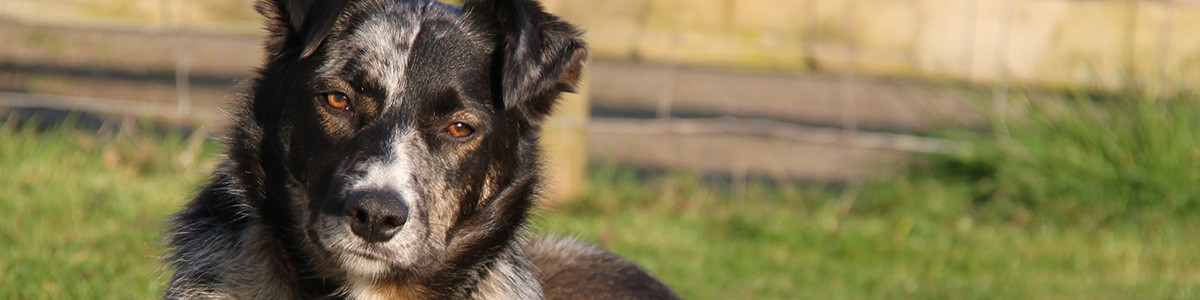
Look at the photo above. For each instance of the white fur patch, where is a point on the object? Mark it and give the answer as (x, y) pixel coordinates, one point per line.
(393, 172)
(363, 289)
(387, 49)
(384, 45)
(510, 278)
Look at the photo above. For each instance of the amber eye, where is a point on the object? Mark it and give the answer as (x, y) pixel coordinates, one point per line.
(460, 129)
(337, 100)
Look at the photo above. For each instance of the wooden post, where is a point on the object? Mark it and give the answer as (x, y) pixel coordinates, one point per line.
(564, 146)
(564, 137)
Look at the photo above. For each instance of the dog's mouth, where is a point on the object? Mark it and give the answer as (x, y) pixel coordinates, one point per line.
(373, 259)
(370, 252)
(358, 256)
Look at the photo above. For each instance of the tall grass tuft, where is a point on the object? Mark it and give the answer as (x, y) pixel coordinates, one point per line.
(1081, 162)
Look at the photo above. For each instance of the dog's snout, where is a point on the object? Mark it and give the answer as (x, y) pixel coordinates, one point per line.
(376, 216)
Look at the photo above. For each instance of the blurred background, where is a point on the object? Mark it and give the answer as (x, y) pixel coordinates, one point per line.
(740, 149)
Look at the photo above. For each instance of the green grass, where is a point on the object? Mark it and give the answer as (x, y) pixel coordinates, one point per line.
(805, 243)
(1082, 163)
(1084, 201)
(81, 216)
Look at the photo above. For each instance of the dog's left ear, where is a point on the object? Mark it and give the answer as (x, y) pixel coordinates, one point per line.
(540, 55)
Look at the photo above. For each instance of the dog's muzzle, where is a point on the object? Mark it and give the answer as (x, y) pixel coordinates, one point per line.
(376, 215)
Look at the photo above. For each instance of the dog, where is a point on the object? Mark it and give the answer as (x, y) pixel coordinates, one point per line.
(388, 149)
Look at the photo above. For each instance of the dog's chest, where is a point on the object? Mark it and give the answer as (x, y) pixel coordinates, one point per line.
(382, 291)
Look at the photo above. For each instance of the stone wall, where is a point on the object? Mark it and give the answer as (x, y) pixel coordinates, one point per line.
(1047, 43)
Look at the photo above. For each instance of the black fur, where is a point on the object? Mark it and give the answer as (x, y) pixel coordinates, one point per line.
(273, 222)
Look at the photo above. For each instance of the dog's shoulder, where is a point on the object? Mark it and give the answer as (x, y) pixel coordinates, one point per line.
(220, 250)
(571, 269)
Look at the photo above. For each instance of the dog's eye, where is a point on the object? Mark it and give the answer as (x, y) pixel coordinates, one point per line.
(460, 129)
(337, 100)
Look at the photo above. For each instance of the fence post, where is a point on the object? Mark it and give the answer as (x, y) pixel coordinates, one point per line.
(564, 146)
(564, 138)
(182, 72)
(666, 92)
(846, 80)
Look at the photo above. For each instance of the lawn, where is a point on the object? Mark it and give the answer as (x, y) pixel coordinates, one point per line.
(1097, 203)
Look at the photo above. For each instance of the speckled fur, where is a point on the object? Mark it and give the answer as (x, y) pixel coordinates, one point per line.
(272, 223)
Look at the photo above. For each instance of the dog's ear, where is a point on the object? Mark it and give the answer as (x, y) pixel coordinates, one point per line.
(539, 55)
(298, 25)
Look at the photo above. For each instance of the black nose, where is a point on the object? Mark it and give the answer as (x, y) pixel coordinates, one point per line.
(375, 216)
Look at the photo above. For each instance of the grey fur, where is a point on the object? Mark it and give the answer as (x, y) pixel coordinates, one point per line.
(277, 222)
(570, 269)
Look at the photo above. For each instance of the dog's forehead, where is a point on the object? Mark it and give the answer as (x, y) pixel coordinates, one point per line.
(378, 41)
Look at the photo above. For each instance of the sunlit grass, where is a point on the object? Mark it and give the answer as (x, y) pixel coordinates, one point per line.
(81, 215)
(1029, 217)
(803, 244)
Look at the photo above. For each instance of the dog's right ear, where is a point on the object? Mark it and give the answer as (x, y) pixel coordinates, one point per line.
(298, 25)
(295, 29)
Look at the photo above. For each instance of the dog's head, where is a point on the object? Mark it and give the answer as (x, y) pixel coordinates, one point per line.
(408, 128)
